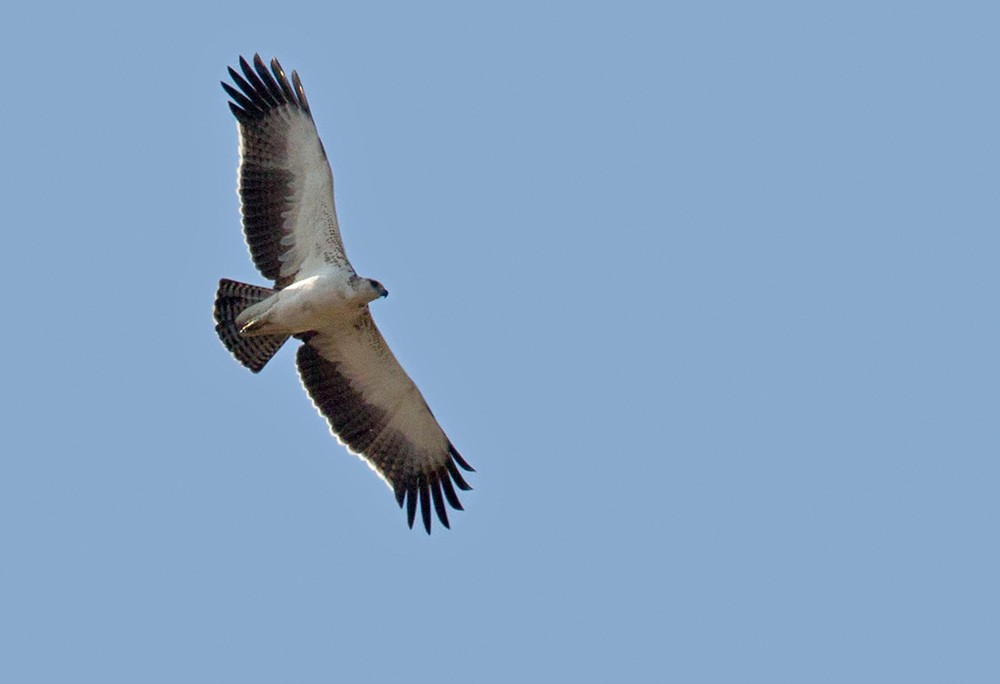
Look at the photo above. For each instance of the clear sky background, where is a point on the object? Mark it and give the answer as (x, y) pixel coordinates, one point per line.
(706, 293)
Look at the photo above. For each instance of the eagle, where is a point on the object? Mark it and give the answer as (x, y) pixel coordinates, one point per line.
(290, 224)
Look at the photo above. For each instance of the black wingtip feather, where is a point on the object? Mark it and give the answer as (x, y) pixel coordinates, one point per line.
(259, 91)
(449, 493)
(425, 502)
(411, 506)
(300, 91)
(259, 87)
(261, 105)
(458, 457)
(439, 508)
(279, 74)
(268, 79)
(457, 477)
(248, 107)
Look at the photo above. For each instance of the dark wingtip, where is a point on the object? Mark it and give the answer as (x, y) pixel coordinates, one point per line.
(411, 506)
(300, 91)
(261, 91)
(245, 104)
(439, 507)
(458, 457)
(425, 502)
(245, 66)
(449, 493)
(259, 87)
(279, 75)
(268, 80)
(457, 477)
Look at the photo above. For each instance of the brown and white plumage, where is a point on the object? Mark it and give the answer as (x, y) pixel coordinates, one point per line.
(291, 229)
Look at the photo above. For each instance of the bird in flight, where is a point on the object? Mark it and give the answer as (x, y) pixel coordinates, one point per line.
(290, 225)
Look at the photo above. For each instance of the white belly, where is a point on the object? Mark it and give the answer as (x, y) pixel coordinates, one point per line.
(310, 304)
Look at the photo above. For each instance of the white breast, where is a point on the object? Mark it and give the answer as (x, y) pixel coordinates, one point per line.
(314, 303)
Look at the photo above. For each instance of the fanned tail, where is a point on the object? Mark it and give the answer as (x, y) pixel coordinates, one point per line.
(230, 300)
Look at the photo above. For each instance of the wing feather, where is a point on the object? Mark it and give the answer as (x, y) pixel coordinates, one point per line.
(439, 507)
(375, 409)
(285, 182)
(268, 80)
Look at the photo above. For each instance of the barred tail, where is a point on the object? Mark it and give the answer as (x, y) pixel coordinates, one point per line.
(230, 300)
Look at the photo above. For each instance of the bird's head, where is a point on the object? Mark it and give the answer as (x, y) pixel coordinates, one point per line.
(378, 289)
(364, 291)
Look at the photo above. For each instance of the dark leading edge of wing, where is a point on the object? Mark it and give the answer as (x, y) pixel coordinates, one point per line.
(362, 427)
(262, 92)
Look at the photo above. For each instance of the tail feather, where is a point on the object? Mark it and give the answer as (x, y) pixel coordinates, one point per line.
(230, 300)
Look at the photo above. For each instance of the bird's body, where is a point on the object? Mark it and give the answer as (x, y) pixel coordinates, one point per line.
(290, 224)
(319, 301)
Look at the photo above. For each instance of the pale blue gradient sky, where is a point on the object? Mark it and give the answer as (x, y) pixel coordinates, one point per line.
(707, 295)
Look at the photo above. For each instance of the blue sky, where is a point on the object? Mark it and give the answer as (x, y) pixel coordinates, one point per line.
(706, 293)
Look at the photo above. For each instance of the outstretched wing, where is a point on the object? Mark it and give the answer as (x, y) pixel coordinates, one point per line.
(376, 410)
(285, 182)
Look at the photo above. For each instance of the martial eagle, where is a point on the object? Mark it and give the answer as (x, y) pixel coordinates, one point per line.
(290, 225)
